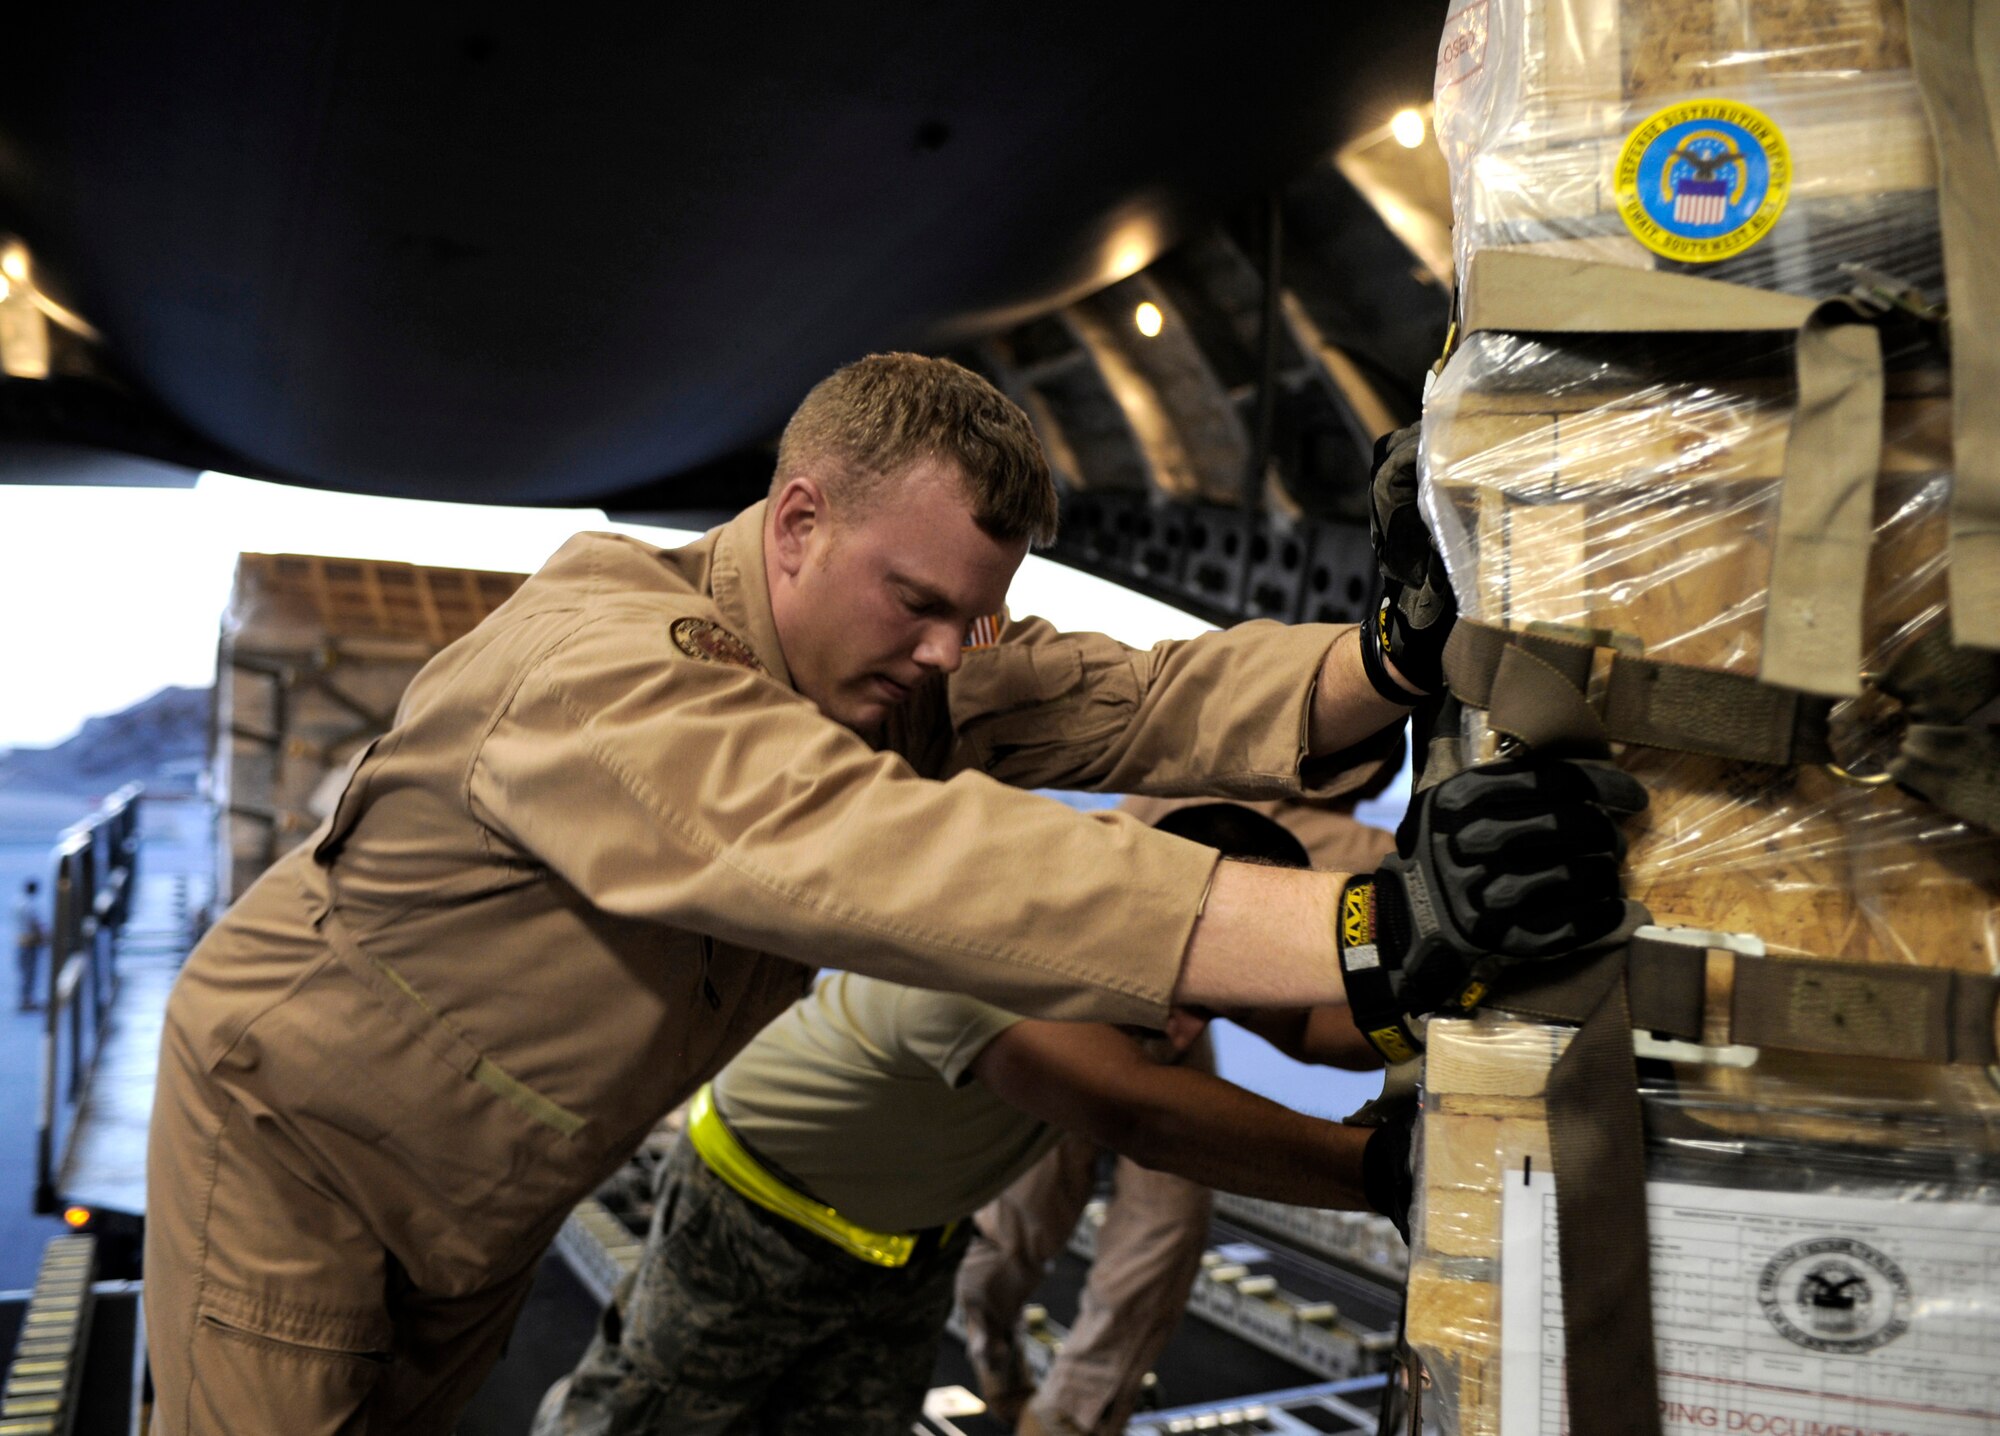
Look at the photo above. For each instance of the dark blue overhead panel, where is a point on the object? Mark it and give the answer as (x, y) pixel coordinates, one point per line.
(561, 251)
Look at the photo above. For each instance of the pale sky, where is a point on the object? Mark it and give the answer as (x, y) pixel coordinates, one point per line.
(109, 594)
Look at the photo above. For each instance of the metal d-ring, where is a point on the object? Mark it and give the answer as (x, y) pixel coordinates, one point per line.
(1841, 773)
(1859, 780)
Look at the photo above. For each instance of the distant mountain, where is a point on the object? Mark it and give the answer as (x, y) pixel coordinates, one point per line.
(161, 741)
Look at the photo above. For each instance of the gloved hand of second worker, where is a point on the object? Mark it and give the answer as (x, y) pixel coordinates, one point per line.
(1504, 863)
(1386, 1178)
(1417, 608)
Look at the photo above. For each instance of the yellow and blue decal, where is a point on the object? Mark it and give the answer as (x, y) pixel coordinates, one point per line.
(1703, 179)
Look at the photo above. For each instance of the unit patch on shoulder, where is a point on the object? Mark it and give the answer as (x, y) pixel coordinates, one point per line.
(1703, 179)
(984, 632)
(712, 643)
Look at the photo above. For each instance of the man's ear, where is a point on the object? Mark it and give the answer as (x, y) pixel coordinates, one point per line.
(798, 519)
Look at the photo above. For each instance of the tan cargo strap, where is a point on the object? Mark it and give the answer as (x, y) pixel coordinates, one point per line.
(1826, 507)
(1637, 700)
(1554, 693)
(1819, 565)
(1597, 1141)
(1955, 51)
(1947, 757)
(1797, 1004)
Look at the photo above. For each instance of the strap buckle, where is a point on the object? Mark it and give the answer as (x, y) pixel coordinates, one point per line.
(1880, 292)
(1645, 1044)
(1865, 733)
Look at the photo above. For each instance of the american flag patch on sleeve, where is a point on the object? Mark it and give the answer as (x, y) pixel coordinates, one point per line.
(984, 632)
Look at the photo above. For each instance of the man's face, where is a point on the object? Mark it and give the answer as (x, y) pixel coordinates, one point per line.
(867, 606)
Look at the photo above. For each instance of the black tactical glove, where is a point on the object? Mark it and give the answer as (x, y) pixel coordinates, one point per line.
(1417, 609)
(1386, 1180)
(1501, 864)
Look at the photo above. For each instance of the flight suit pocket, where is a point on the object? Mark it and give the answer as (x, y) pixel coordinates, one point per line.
(1009, 678)
(449, 1161)
(246, 1380)
(1037, 714)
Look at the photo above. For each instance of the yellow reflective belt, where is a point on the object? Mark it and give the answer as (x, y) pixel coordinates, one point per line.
(730, 1160)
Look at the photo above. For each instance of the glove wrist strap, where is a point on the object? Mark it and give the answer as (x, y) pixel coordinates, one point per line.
(1376, 666)
(1371, 994)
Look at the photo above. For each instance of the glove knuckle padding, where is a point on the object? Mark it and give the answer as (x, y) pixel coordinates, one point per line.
(1523, 944)
(1492, 838)
(1511, 892)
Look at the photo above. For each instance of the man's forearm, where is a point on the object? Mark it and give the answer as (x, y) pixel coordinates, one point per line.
(1265, 939)
(1215, 1133)
(1345, 706)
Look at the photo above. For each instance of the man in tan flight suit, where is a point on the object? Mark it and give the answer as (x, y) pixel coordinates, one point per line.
(605, 838)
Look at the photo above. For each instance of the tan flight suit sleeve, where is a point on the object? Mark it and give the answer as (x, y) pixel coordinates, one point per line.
(707, 796)
(1221, 715)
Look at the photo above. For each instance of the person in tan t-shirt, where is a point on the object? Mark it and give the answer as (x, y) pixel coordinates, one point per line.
(809, 1219)
(1156, 1222)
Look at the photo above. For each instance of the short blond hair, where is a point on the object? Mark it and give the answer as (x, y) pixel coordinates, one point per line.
(867, 423)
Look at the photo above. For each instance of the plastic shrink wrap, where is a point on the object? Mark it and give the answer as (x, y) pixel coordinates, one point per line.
(1622, 490)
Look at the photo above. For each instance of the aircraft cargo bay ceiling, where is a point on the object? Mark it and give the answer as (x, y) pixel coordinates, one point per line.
(596, 254)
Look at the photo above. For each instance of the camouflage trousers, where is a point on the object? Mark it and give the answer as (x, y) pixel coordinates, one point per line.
(737, 1323)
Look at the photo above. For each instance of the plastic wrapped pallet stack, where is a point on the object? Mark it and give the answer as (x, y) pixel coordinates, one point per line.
(1658, 453)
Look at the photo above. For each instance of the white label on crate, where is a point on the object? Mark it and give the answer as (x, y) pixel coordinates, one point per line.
(1778, 1313)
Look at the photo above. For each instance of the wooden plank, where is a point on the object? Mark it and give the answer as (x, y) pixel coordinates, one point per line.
(1671, 46)
(1455, 1326)
(1490, 1056)
(1467, 1161)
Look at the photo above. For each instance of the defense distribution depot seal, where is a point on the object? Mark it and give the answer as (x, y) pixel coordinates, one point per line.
(1703, 179)
(1835, 1294)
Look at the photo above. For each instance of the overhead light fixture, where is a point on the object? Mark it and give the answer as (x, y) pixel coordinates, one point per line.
(1149, 319)
(1408, 128)
(14, 263)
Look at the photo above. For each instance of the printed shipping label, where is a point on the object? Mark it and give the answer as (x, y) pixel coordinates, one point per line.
(1778, 1313)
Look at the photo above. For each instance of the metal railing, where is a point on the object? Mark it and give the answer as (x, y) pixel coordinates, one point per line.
(96, 876)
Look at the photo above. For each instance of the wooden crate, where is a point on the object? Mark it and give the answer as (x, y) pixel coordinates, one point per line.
(1643, 507)
(315, 655)
(1646, 512)
(1535, 159)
